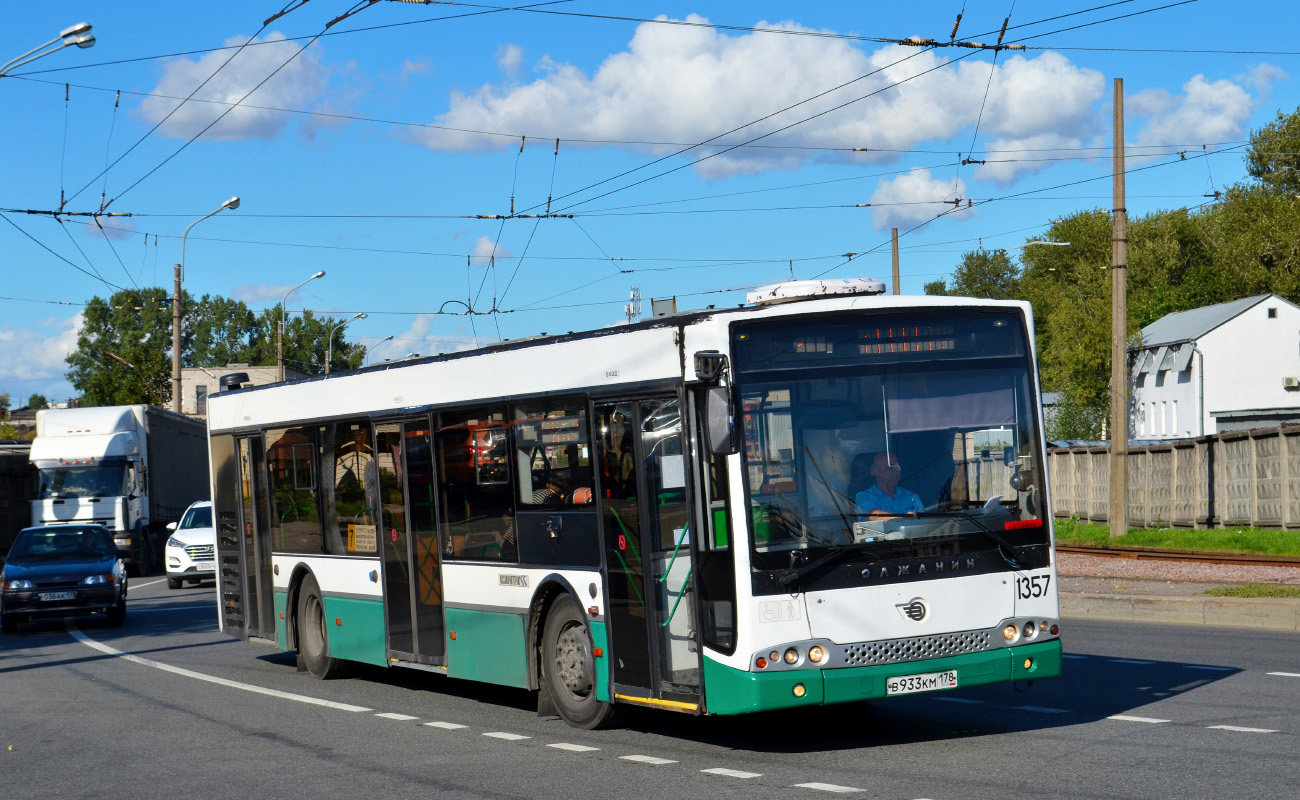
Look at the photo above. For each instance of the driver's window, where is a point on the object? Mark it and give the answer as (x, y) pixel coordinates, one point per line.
(553, 453)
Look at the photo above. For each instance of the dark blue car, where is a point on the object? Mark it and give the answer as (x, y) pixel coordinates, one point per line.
(62, 570)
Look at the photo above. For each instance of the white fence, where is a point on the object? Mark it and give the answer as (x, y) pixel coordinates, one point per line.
(1248, 478)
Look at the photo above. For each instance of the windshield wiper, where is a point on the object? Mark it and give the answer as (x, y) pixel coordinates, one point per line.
(1004, 546)
(791, 576)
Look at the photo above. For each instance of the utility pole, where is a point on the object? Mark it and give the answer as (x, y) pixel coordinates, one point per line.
(176, 338)
(893, 233)
(1118, 515)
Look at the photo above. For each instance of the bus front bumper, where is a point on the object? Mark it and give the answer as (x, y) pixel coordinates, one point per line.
(732, 691)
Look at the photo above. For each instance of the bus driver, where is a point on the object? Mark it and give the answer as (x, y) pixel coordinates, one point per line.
(886, 497)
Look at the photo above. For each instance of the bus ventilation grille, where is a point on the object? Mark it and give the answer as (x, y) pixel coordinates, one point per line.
(896, 651)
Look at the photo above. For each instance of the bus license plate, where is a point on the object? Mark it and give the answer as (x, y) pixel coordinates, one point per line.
(58, 596)
(206, 566)
(907, 684)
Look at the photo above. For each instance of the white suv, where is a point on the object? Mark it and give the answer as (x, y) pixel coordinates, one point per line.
(191, 551)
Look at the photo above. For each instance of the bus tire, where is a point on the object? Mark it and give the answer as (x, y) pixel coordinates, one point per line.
(313, 635)
(569, 668)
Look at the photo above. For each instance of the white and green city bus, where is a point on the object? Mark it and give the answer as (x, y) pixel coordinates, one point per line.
(665, 514)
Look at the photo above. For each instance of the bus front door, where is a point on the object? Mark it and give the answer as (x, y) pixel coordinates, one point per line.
(646, 521)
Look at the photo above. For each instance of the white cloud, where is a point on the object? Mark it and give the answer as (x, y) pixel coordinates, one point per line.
(510, 57)
(419, 338)
(1029, 154)
(300, 84)
(1206, 112)
(687, 85)
(1261, 78)
(921, 197)
(37, 357)
(250, 294)
(485, 250)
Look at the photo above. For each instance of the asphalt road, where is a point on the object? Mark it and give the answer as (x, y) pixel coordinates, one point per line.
(1143, 711)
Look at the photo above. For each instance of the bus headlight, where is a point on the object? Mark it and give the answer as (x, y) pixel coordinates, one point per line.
(1011, 632)
(816, 654)
(1031, 630)
(792, 655)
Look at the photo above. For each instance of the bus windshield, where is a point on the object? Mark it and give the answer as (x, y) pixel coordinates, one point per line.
(890, 435)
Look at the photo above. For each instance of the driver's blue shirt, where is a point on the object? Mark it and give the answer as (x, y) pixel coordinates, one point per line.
(902, 502)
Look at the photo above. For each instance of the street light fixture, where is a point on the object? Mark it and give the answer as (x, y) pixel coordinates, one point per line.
(370, 350)
(78, 34)
(279, 341)
(176, 306)
(329, 350)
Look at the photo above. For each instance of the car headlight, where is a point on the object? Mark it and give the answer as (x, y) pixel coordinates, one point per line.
(91, 580)
(18, 584)
(173, 542)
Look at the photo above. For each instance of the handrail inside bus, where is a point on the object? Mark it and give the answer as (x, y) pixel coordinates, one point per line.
(685, 530)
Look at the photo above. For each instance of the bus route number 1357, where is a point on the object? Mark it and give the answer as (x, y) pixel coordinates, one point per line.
(1036, 586)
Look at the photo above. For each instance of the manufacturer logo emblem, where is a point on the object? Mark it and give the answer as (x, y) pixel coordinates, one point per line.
(513, 580)
(915, 610)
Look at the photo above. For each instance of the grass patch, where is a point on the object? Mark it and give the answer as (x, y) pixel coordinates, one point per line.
(1257, 541)
(1255, 590)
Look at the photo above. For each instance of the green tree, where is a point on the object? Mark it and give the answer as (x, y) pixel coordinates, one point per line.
(982, 273)
(221, 332)
(123, 352)
(306, 342)
(4, 403)
(1273, 158)
(38, 401)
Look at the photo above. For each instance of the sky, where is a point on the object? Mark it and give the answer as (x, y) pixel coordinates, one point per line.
(703, 149)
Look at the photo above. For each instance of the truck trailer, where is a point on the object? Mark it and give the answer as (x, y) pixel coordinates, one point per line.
(132, 469)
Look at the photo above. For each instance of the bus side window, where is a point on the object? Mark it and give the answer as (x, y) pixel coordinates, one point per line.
(476, 515)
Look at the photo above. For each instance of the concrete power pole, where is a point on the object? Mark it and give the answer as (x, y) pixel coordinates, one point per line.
(1118, 515)
(176, 339)
(893, 234)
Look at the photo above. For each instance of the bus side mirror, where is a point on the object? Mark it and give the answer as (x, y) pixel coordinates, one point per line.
(719, 421)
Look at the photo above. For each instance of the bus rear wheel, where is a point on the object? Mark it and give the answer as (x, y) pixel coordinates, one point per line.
(313, 636)
(569, 669)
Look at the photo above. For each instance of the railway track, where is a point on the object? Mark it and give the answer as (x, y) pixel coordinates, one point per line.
(1151, 554)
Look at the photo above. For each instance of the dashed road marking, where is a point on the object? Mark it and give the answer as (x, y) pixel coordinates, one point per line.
(648, 760)
(1127, 718)
(1286, 674)
(1134, 661)
(398, 717)
(1240, 729)
(573, 748)
(134, 585)
(446, 726)
(247, 687)
(826, 787)
(732, 773)
(509, 737)
(1041, 709)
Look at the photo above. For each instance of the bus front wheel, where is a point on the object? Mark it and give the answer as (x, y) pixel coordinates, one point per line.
(569, 669)
(313, 636)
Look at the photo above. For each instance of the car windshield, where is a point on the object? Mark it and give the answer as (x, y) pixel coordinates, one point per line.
(198, 517)
(61, 544)
(109, 480)
(889, 435)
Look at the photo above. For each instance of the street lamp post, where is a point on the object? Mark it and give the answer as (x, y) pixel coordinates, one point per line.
(279, 341)
(176, 306)
(78, 34)
(329, 350)
(370, 350)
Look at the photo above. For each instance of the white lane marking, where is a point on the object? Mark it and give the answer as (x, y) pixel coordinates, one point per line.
(573, 748)
(247, 687)
(648, 760)
(1286, 674)
(1239, 729)
(965, 700)
(732, 773)
(1211, 669)
(1041, 709)
(826, 787)
(446, 726)
(509, 737)
(133, 585)
(396, 716)
(204, 607)
(1127, 718)
(1135, 661)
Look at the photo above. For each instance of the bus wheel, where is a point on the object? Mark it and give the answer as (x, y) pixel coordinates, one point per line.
(570, 670)
(313, 636)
